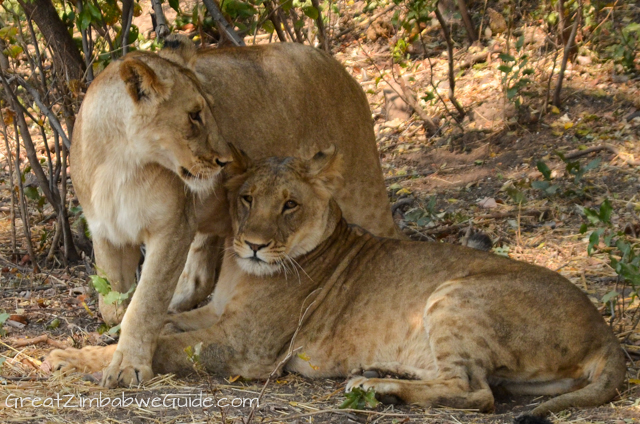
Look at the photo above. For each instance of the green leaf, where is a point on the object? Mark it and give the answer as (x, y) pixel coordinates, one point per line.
(583, 228)
(512, 92)
(544, 170)
(527, 71)
(4, 317)
(32, 193)
(592, 165)
(505, 68)
(93, 11)
(594, 239)
(311, 12)
(268, 26)
(84, 19)
(175, 5)
(101, 285)
(114, 330)
(53, 324)
(540, 185)
(610, 297)
(507, 57)
(520, 42)
(605, 212)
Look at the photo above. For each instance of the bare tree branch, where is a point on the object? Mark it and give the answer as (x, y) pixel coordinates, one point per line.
(322, 33)
(52, 117)
(222, 22)
(162, 30)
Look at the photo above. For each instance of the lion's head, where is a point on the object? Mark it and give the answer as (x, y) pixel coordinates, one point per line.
(172, 122)
(281, 208)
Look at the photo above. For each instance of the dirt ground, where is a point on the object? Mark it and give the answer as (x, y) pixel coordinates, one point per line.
(439, 186)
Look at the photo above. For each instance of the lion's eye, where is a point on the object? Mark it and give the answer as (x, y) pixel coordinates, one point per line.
(290, 204)
(247, 199)
(195, 117)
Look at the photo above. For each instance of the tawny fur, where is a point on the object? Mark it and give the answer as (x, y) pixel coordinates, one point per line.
(150, 140)
(456, 320)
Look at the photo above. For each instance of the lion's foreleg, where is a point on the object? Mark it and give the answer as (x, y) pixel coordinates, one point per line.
(118, 265)
(167, 248)
(200, 273)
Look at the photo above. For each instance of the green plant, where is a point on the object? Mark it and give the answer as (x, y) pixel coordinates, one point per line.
(515, 72)
(423, 216)
(624, 257)
(359, 399)
(544, 185)
(110, 296)
(3, 318)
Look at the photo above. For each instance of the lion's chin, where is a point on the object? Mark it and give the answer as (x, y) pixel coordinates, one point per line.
(199, 184)
(257, 268)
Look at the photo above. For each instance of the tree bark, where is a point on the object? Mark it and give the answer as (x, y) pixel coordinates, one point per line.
(67, 58)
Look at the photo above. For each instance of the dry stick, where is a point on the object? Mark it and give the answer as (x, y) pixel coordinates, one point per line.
(322, 33)
(607, 147)
(161, 29)
(452, 78)
(565, 57)
(40, 339)
(222, 22)
(468, 23)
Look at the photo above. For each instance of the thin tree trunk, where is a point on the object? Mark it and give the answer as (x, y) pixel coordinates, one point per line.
(468, 23)
(565, 57)
(127, 17)
(66, 58)
(452, 77)
(24, 212)
(322, 33)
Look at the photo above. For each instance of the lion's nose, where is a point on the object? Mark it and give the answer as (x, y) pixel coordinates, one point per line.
(255, 247)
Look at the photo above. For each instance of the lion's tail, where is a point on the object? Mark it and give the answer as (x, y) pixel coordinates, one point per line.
(602, 387)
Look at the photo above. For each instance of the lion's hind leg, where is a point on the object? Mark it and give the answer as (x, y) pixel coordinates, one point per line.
(449, 392)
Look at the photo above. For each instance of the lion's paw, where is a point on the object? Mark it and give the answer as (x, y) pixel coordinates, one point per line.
(122, 372)
(76, 360)
(379, 385)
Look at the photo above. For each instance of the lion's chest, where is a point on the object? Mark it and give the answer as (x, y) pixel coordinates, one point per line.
(123, 208)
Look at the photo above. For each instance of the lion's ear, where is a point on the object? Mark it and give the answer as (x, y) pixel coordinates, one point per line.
(141, 81)
(326, 168)
(179, 49)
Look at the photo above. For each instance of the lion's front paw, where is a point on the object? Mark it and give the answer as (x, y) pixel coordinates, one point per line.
(126, 373)
(89, 359)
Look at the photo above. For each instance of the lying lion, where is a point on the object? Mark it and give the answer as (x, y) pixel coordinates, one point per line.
(453, 321)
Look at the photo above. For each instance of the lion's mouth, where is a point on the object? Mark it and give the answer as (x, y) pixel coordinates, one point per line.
(189, 176)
